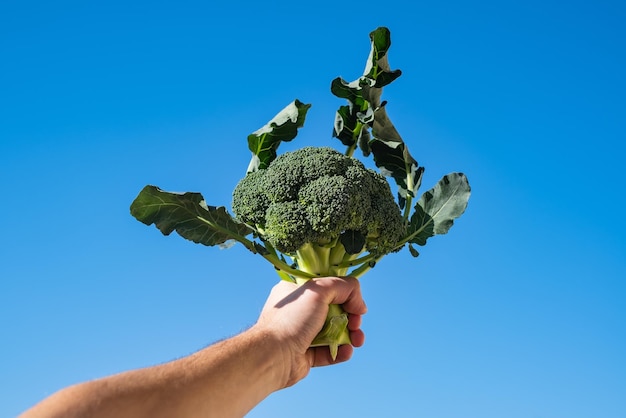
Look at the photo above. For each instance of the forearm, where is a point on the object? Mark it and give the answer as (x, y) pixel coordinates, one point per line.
(226, 379)
(231, 377)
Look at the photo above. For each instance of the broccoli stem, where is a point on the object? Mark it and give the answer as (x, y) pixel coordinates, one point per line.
(410, 186)
(335, 330)
(320, 261)
(337, 256)
(283, 267)
(285, 271)
(274, 254)
(365, 267)
(407, 208)
(350, 150)
(312, 258)
(353, 261)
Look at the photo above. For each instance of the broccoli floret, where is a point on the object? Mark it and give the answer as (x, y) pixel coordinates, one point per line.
(306, 201)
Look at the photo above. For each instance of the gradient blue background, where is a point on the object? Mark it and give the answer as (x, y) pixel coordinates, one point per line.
(517, 312)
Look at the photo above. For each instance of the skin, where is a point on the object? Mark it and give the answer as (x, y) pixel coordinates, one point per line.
(229, 378)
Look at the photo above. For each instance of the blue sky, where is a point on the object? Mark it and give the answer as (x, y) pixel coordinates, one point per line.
(517, 312)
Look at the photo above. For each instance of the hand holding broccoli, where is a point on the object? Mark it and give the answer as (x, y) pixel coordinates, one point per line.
(316, 212)
(294, 314)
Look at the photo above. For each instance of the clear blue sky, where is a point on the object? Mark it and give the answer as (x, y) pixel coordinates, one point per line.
(518, 312)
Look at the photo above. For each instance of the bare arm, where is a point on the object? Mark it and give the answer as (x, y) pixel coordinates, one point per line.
(229, 378)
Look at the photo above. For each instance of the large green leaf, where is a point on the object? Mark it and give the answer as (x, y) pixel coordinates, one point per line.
(283, 127)
(188, 215)
(437, 208)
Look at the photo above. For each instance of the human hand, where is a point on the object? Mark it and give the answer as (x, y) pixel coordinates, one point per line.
(295, 314)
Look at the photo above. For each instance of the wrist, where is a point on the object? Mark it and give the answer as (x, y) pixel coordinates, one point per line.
(287, 365)
(271, 354)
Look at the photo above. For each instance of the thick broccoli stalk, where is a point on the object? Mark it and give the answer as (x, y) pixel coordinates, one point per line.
(321, 209)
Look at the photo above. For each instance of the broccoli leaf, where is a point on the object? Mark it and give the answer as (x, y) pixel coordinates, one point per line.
(393, 158)
(352, 241)
(349, 91)
(377, 66)
(366, 111)
(345, 125)
(421, 226)
(283, 127)
(363, 94)
(351, 120)
(437, 208)
(188, 215)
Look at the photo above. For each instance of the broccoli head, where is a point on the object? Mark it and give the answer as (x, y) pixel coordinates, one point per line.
(321, 197)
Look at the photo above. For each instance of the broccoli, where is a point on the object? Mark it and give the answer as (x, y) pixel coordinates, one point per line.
(321, 207)
(315, 211)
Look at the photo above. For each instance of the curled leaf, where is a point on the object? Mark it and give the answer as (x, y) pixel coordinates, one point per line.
(283, 127)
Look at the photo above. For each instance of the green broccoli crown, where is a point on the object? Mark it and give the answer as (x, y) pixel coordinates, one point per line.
(315, 194)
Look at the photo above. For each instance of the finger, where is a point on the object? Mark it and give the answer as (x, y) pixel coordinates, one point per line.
(354, 322)
(341, 291)
(321, 355)
(357, 338)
